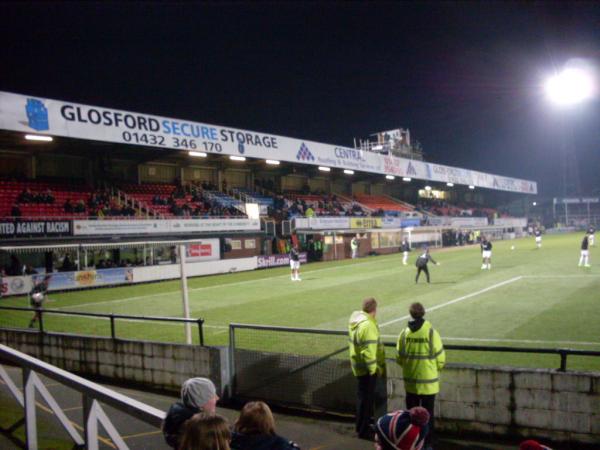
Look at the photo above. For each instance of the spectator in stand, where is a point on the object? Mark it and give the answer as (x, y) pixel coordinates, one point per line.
(28, 270)
(48, 197)
(206, 432)
(15, 267)
(67, 265)
(68, 206)
(25, 196)
(79, 207)
(197, 395)
(15, 211)
(255, 430)
(402, 430)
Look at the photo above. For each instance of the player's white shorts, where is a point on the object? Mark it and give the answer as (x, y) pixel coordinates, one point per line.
(584, 252)
(486, 254)
(294, 264)
(538, 239)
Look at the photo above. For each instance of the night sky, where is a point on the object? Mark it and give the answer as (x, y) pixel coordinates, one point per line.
(465, 78)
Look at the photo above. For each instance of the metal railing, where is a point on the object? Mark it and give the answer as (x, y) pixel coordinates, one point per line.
(92, 395)
(562, 352)
(112, 317)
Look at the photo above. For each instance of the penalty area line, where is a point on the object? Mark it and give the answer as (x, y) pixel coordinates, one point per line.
(457, 300)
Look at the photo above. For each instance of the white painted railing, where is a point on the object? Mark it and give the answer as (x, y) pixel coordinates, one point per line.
(92, 395)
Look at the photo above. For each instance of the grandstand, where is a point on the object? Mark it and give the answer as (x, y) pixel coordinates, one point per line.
(139, 220)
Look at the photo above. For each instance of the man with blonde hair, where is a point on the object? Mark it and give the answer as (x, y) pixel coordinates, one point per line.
(367, 357)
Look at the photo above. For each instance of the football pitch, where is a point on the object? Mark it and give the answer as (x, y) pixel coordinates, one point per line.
(530, 298)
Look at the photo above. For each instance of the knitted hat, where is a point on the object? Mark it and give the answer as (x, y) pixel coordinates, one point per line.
(403, 430)
(196, 392)
(532, 445)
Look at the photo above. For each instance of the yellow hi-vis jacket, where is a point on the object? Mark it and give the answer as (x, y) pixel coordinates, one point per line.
(367, 355)
(421, 356)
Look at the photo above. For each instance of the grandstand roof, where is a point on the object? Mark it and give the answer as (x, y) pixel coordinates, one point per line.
(22, 113)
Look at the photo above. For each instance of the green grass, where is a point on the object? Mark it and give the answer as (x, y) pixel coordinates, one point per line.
(554, 303)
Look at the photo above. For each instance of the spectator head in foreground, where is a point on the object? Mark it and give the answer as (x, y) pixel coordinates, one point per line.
(402, 430)
(416, 310)
(370, 306)
(255, 429)
(206, 432)
(200, 394)
(530, 444)
(197, 395)
(255, 418)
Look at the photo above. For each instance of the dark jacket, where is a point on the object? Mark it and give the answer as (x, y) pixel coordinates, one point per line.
(423, 259)
(241, 441)
(174, 421)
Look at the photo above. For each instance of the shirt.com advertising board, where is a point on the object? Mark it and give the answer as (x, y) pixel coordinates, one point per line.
(54, 117)
(264, 262)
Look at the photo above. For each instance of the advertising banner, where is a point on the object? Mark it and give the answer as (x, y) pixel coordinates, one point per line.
(264, 262)
(15, 285)
(391, 222)
(34, 228)
(511, 222)
(206, 250)
(323, 223)
(127, 227)
(366, 222)
(411, 222)
(54, 117)
(457, 222)
(87, 278)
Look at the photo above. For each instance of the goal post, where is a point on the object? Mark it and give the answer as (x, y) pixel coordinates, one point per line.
(184, 293)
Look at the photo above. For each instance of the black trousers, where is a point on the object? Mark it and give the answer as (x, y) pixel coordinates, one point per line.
(365, 401)
(427, 402)
(424, 269)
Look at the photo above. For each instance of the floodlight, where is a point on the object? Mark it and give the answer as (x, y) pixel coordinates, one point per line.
(237, 158)
(534, 203)
(349, 172)
(272, 162)
(38, 137)
(390, 177)
(571, 86)
(324, 169)
(427, 188)
(198, 154)
(471, 186)
(406, 179)
(450, 184)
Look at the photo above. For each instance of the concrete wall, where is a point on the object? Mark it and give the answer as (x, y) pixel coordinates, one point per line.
(152, 364)
(562, 406)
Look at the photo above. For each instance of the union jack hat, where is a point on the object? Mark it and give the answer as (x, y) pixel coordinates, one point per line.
(403, 430)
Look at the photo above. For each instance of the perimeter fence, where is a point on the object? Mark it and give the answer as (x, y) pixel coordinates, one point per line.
(309, 368)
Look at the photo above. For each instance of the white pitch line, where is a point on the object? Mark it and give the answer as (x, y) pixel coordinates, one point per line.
(512, 341)
(456, 300)
(560, 276)
(226, 285)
